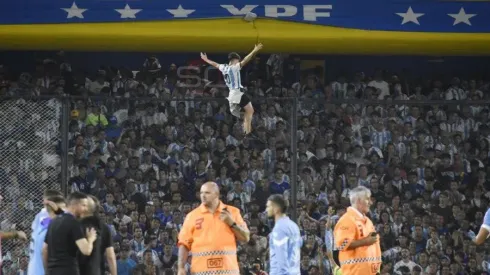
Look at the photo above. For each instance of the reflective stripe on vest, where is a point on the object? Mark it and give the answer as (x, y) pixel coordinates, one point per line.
(213, 253)
(343, 245)
(218, 272)
(360, 260)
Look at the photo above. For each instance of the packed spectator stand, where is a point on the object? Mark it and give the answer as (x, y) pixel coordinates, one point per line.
(144, 141)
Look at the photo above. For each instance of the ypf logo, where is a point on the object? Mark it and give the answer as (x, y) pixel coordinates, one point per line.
(215, 263)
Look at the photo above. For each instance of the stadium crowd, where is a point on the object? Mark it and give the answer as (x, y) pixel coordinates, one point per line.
(145, 142)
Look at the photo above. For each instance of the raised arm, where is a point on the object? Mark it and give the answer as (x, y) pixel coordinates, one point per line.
(237, 224)
(86, 245)
(249, 57)
(204, 57)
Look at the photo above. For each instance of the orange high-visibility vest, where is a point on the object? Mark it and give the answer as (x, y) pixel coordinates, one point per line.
(211, 242)
(364, 260)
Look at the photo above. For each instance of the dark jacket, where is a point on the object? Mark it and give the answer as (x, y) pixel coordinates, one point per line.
(95, 263)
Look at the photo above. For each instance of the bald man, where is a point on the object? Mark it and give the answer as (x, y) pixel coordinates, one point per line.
(210, 233)
(103, 250)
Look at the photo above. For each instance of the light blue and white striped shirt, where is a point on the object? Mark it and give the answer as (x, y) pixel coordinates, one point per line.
(231, 73)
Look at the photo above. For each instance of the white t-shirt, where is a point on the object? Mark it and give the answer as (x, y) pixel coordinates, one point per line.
(382, 86)
(233, 80)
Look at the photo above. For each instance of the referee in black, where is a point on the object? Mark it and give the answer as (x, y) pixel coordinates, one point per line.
(65, 237)
(94, 264)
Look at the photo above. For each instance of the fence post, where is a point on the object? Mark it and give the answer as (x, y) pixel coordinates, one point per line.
(294, 159)
(65, 127)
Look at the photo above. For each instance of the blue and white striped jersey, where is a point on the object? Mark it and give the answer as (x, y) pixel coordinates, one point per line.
(231, 73)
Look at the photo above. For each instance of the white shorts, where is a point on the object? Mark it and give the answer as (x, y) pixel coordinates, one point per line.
(234, 98)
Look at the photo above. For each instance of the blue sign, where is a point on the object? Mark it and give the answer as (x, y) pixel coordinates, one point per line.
(388, 15)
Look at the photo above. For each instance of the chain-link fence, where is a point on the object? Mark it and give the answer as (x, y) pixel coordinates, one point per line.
(29, 162)
(31, 132)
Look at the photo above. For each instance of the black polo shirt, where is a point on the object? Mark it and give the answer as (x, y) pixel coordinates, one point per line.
(63, 232)
(95, 263)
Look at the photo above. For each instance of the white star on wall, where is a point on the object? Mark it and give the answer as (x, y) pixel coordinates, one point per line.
(180, 12)
(410, 16)
(461, 17)
(74, 11)
(128, 12)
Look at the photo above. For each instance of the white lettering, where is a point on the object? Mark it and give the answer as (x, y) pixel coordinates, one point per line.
(191, 77)
(310, 12)
(280, 10)
(234, 11)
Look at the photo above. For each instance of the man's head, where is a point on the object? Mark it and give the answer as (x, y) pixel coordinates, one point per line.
(276, 205)
(360, 198)
(148, 256)
(50, 193)
(59, 200)
(78, 203)
(233, 58)
(209, 193)
(93, 206)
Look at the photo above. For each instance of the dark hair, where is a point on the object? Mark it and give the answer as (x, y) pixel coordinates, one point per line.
(50, 193)
(139, 269)
(233, 55)
(75, 197)
(56, 199)
(280, 202)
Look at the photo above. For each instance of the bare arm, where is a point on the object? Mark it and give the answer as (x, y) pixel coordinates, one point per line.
(249, 57)
(183, 256)
(205, 58)
(237, 225)
(483, 234)
(369, 240)
(111, 260)
(45, 257)
(242, 234)
(12, 235)
(85, 246)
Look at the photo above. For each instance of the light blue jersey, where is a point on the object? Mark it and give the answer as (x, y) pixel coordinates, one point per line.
(285, 248)
(39, 230)
(43, 214)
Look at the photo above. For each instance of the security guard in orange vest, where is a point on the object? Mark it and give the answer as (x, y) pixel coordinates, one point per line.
(209, 235)
(355, 237)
